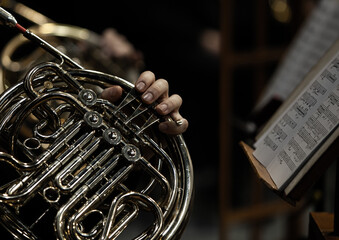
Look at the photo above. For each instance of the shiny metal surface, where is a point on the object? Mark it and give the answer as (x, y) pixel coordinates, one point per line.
(75, 166)
(82, 45)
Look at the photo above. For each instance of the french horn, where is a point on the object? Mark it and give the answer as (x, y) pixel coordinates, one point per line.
(75, 166)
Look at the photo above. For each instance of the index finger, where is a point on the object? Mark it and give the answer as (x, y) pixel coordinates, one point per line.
(145, 80)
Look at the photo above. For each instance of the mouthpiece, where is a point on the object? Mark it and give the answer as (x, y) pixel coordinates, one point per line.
(7, 19)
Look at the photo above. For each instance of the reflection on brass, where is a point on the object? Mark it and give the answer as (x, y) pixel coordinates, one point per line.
(75, 166)
(80, 44)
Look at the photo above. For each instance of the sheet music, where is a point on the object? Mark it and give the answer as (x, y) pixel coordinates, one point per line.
(303, 126)
(318, 34)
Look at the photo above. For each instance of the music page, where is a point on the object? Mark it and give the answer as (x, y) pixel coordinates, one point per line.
(302, 127)
(317, 35)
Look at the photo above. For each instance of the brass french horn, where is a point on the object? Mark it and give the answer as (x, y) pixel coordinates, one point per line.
(82, 45)
(75, 166)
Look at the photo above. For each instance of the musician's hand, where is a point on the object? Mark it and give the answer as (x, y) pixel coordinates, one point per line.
(155, 90)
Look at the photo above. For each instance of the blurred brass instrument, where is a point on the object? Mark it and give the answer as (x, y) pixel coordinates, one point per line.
(80, 44)
(75, 166)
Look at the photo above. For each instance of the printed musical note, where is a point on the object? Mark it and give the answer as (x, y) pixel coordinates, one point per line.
(283, 157)
(300, 109)
(336, 63)
(317, 88)
(319, 33)
(281, 135)
(268, 142)
(290, 122)
(329, 76)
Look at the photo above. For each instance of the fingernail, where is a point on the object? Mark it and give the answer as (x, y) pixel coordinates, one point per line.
(140, 86)
(148, 97)
(163, 107)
